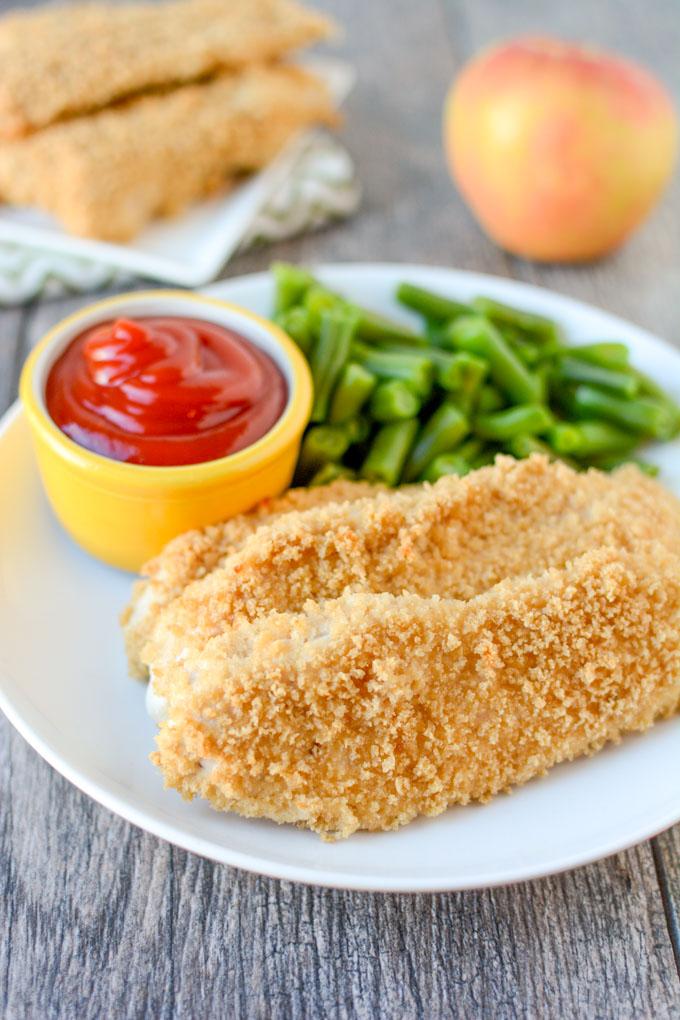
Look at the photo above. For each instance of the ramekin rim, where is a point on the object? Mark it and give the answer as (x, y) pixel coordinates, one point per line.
(264, 450)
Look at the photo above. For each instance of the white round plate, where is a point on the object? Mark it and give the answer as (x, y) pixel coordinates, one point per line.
(63, 681)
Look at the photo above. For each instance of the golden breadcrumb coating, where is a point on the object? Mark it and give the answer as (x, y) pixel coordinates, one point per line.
(196, 553)
(369, 710)
(356, 665)
(456, 538)
(108, 175)
(59, 61)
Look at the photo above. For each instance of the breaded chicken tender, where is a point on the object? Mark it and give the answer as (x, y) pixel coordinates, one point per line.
(366, 711)
(108, 175)
(196, 553)
(355, 665)
(63, 60)
(456, 538)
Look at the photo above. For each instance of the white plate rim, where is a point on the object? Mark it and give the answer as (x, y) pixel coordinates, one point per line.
(104, 792)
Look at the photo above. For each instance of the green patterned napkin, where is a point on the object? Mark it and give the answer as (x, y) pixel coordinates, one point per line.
(321, 188)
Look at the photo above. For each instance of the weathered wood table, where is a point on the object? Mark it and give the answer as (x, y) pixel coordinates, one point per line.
(101, 921)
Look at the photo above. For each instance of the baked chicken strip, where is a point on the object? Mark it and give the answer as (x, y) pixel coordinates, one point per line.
(369, 710)
(457, 539)
(59, 61)
(196, 553)
(108, 175)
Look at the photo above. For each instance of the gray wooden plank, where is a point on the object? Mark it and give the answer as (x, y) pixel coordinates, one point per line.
(107, 921)
(667, 857)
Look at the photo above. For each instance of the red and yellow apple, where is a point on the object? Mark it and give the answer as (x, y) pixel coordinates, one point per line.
(560, 150)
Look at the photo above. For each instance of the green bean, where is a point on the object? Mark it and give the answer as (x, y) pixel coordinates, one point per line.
(318, 300)
(642, 415)
(606, 354)
(329, 356)
(322, 444)
(331, 472)
(523, 446)
(442, 431)
(470, 449)
(428, 304)
(572, 370)
(436, 333)
(587, 439)
(377, 329)
(415, 369)
(537, 326)
(357, 429)
(650, 388)
(457, 373)
(524, 418)
(486, 457)
(290, 285)
(446, 464)
(388, 452)
(394, 400)
(353, 389)
(295, 322)
(612, 463)
(475, 335)
(527, 352)
(490, 399)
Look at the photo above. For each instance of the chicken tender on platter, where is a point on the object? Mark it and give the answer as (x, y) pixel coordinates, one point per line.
(354, 665)
(366, 711)
(457, 539)
(196, 553)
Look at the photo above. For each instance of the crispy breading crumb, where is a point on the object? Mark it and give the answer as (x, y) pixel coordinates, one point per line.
(196, 553)
(366, 711)
(356, 665)
(108, 175)
(65, 60)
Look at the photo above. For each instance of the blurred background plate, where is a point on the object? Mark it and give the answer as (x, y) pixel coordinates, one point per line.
(63, 680)
(189, 249)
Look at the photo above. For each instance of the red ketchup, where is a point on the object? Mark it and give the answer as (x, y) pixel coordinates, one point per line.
(164, 391)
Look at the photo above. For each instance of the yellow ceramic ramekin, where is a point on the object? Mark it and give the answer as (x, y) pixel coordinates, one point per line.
(125, 513)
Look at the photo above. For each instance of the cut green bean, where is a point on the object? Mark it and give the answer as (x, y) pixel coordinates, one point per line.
(357, 429)
(532, 419)
(446, 464)
(528, 353)
(415, 369)
(321, 444)
(490, 399)
(331, 472)
(295, 322)
(388, 452)
(588, 439)
(290, 285)
(470, 449)
(537, 326)
(612, 463)
(458, 372)
(572, 370)
(428, 304)
(442, 431)
(474, 334)
(394, 400)
(377, 329)
(318, 300)
(606, 354)
(523, 446)
(328, 357)
(642, 415)
(353, 389)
